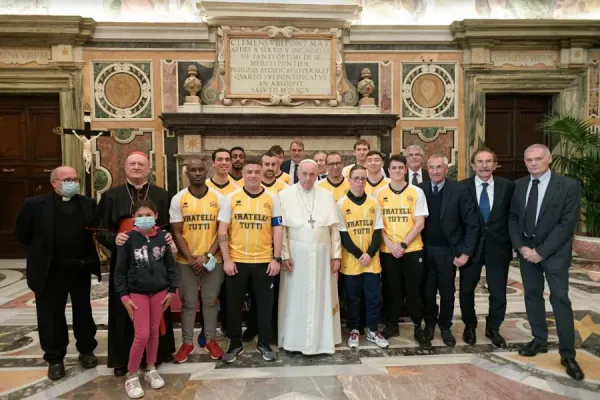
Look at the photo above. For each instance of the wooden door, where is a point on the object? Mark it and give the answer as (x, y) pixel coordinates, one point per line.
(29, 150)
(511, 126)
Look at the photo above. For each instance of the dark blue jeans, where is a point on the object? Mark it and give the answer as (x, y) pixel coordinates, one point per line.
(357, 287)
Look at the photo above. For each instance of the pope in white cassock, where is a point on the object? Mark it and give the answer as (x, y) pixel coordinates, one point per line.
(309, 311)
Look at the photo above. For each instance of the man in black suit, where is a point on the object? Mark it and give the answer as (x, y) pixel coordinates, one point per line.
(492, 195)
(543, 214)
(450, 237)
(61, 257)
(415, 173)
(290, 167)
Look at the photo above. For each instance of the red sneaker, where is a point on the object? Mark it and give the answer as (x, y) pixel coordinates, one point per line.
(184, 351)
(214, 350)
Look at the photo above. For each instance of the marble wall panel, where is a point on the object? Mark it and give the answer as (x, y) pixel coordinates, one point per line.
(594, 90)
(386, 82)
(169, 85)
(434, 140)
(354, 72)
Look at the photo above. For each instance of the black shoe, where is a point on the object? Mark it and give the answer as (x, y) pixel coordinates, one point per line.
(573, 369)
(168, 359)
(121, 371)
(448, 338)
(267, 353)
(391, 331)
(429, 332)
(532, 348)
(88, 360)
(248, 335)
(420, 337)
(232, 354)
(496, 338)
(56, 371)
(469, 335)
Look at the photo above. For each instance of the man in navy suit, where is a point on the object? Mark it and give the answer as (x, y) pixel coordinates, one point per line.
(492, 196)
(543, 214)
(290, 167)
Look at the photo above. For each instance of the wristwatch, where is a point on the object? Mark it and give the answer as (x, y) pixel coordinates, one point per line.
(278, 259)
(404, 245)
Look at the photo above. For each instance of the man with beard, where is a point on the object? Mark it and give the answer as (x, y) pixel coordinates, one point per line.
(282, 176)
(269, 181)
(238, 156)
(335, 181)
(112, 219)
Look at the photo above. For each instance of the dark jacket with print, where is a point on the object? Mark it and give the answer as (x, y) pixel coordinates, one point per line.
(145, 265)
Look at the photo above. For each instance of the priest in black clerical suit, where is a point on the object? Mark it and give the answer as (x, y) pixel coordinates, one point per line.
(114, 216)
(61, 257)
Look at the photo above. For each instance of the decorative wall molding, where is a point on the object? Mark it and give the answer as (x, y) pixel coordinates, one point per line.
(41, 30)
(399, 34)
(151, 32)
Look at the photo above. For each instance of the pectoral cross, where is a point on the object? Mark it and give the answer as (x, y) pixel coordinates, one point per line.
(311, 221)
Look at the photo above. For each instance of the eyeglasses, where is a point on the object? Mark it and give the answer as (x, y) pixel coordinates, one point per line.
(358, 179)
(67, 180)
(335, 164)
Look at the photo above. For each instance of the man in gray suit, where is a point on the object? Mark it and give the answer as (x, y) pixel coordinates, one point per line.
(543, 213)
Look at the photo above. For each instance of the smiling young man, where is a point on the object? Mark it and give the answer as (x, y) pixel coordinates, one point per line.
(335, 181)
(238, 156)
(221, 181)
(279, 174)
(270, 166)
(375, 178)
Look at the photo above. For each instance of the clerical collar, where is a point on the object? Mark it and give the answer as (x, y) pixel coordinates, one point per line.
(138, 187)
(335, 184)
(63, 198)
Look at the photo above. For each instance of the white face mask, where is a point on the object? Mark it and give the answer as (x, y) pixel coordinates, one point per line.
(212, 262)
(70, 189)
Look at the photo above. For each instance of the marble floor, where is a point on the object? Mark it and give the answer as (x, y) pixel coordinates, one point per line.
(404, 371)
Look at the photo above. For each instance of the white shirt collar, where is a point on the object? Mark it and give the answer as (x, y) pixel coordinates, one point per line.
(479, 182)
(544, 178)
(412, 173)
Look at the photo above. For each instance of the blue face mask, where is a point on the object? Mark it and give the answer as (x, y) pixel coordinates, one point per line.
(70, 189)
(145, 223)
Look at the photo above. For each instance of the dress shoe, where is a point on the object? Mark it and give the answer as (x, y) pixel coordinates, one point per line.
(573, 369)
(532, 348)
(121, 371)
(429, 331)
(420, 337)
(56, 371)
(496, 338)
(88, 360)
(391, 331)
(448, 338)
(469, 335)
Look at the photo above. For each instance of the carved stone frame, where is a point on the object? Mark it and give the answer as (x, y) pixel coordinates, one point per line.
(568, 86)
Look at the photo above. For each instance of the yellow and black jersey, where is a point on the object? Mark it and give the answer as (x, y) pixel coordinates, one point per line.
(360, 221)
(338, 190)
(372, 187)
(251, 218)
(275, 187)
(398, 210)
(238, 181)
(225, 189)
(199, 218)
(347, 168)
(285, 178)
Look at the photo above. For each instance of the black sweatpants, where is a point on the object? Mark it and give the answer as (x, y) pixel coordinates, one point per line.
(252, 313)
(262, 287)
(403, 277)
(50, 306)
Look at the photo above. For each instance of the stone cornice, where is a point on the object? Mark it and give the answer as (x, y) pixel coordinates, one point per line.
(29, 30)
(330, 13)
(400, 34)
(149, 32)
(536, 33)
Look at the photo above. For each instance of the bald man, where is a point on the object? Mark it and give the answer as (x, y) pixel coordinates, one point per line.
(112, 220)
(61, 257)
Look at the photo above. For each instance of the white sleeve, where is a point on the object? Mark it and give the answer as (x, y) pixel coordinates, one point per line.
(421, 209)
(276, 206)
(342, 222)
(175, 209)
(378, 220)
(221, 200)
(225, 211)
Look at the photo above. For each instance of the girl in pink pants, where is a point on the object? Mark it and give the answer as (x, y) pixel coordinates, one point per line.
(146, 280)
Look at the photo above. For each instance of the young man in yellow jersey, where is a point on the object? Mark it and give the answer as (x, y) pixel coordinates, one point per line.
(335, 181)
(403, 210)
(375, 178)
(221, 181)
(193, 217)
(270, 166)
(279, 174)
(361, 231)
(361, 148)
(251, 238)
(238, 156)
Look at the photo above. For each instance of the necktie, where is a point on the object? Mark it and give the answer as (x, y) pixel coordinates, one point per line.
(414, 179)
(435, 189)
(531, 209)
(295, 173)
(484, 202)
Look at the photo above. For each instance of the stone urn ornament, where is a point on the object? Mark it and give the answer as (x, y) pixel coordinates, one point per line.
(366, 86)
(192, 85)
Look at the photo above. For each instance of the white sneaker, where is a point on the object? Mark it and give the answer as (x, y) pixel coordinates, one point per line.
(154, 378)
(133, 388)
(377, 338)
(353, 339)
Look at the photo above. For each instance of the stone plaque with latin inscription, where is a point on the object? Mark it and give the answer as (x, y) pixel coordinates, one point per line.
(25, 56)
(301, 67)
(522, 59)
